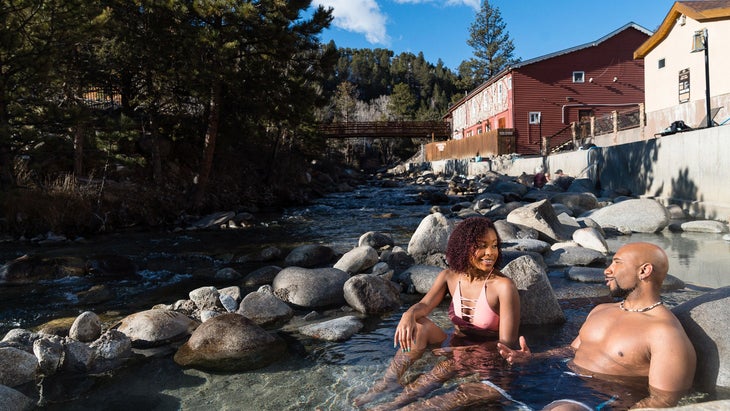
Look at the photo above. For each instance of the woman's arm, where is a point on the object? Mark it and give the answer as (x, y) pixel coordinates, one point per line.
(405, 333)
(509, 311)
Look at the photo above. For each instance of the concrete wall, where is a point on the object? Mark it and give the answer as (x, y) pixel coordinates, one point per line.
(689, 169)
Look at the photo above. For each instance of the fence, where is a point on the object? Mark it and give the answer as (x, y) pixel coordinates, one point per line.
(493, 142)
(614, 122)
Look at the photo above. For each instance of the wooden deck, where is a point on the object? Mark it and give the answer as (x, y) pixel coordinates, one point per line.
(386, 129)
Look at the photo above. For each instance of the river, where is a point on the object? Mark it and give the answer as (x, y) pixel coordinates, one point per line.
(315, 375)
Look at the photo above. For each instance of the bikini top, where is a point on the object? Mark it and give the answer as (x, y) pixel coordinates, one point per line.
(482, 317)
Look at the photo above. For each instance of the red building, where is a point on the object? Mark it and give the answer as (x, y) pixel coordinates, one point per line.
(541, 97)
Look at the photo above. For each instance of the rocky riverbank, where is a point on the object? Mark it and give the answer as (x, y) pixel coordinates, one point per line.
(313, 291)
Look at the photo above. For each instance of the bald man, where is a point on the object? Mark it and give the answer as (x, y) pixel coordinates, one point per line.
(636, 337)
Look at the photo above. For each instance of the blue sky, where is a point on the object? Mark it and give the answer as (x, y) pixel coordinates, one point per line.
(440, 28)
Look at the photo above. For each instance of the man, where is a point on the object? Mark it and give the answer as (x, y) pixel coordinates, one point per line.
(637, 337)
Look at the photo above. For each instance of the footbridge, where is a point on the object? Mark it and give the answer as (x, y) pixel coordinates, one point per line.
(386, 129)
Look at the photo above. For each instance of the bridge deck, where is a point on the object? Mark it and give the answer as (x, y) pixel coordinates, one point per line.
(381, 129)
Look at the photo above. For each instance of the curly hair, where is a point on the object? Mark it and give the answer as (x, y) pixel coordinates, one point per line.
(463, 241)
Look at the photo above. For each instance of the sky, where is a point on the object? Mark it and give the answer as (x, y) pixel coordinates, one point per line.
(440, 28)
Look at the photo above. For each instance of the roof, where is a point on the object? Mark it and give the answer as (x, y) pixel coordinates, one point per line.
(699, 10)
(552, 55)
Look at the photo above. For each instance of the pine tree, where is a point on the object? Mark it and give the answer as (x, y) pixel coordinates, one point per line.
(493, 48)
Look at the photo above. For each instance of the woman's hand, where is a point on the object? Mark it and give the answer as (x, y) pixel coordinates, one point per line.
(520, 356)
(405, 333)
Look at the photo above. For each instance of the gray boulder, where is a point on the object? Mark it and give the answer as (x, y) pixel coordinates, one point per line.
(311, 288)
(370, 294)
(86, 327)
(591, 238)
(49, 352)
(230, 342)
(156, 327)
(357, 260)
(338, 329)
(570, 256)
(264, 275)
(419, 278)
(376, 239)
(431, 236)
(538, 303)
(704, 318)
(205, 298)
(17, 367)
(13, 400)
(540, 216)
(264, 308)
(704, 226)
(636, 215)
(578, 203)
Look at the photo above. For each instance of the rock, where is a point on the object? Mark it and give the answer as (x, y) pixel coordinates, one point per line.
(310, 255)
(570, 256)
(339, 329)
(13, 400)
(357, 260)
(205, 298)
(49, 351)
(215, 220)
(636, 215)
(264, 275)
(17, 367)
(264, 308)
(590, 238)
(111, 266)
(370, 294)
(227, 273)
(540, 216)
(153, 328)
(420, 277)
(578, 203)
(704, 318)
(382, 270)
(233, 291)
(111, 350)
(311, 288)
(538, 304)
(78, 357)
(704, 226)
(20, 338)
(230, 342)
(86, 327)
(376, 240)
(398, 259)
(30, 269)
(431, 236)
(95, 295)
(228, 302)
(586, 274)
(526, 244)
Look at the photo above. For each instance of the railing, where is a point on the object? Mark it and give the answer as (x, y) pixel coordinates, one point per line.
(491, 143)
(384, 129)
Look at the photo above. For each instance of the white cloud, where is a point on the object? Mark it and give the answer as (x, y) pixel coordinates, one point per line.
(475, 4)
(359, 16)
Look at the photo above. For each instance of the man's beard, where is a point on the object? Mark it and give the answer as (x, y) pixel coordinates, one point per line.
(619, 292)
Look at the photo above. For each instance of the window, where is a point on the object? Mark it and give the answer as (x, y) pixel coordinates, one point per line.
(661, 63)
(579, 77)
(534, 117)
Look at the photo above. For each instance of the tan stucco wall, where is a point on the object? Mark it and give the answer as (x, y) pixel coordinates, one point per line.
(662, 84)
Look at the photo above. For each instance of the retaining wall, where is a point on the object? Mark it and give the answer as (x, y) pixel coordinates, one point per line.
(690, 169)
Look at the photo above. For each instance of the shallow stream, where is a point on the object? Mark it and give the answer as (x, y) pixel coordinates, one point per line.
(316, 375)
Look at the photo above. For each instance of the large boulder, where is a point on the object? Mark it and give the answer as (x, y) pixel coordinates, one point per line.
(230, 342)
(704, 318)
(86, 327)
(636, 215)
(419, 278)
(538, 303)
(311, 288)
(370, 294)
(153, 328)
(578, 203)
(13, 400)
(431, 236)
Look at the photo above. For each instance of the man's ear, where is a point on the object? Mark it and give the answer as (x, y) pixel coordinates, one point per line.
(646, 270)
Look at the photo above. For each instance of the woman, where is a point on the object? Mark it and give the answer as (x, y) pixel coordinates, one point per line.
(485, 309)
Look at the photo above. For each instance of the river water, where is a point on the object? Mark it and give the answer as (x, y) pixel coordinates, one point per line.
(316, 375)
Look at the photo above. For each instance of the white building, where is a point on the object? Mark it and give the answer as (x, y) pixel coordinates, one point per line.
(675, 69)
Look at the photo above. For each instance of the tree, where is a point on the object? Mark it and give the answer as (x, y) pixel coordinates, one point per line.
(493, 48)
(402, 102)
(345, 100)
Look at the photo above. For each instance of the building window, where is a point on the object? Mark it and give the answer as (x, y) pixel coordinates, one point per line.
(534, 117)
(661, 63)
(579, 77)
